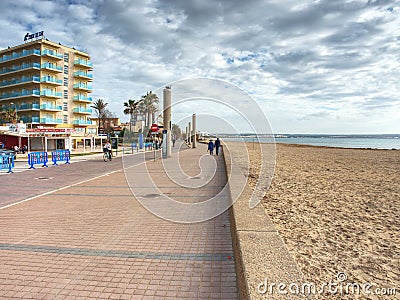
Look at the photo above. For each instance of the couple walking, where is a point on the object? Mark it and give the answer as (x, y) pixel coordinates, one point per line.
(212, 146)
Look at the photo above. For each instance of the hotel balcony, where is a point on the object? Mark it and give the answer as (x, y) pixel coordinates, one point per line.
(82, 122)
(51, 107)
(24, 107)
(80, 98)
(81, 86)
(19, 68)
(84, 75)
(83, 63)
(50, 121)
(51, 80)
(50, 94)
(30, 119)
(19, 81)
(20, 94)
(85, 111)
(51, 67)
(52, 54)
(18, 55)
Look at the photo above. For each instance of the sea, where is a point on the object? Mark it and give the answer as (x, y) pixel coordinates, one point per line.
(378, 141)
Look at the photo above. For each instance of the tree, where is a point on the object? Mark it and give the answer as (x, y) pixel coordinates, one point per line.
(100, 106)
(132, 109)
(149, 107)
(176, 131)
(10, 115)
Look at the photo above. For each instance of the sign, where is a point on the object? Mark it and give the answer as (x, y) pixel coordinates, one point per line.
(33, 35)
(164, 144)
(154, 127)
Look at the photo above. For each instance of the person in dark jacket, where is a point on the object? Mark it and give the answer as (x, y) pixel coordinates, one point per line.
(217, 145)
(211, 147)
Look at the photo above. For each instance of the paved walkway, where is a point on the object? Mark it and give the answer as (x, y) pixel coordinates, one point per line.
(89, 238)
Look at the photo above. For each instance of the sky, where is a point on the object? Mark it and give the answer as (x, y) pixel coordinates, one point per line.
(328, 66)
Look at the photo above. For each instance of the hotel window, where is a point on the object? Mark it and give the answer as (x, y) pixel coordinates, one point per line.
(66, 57)
(65, 69)
(65, 94)
(65, 106)
(65, 120)
(65, 81)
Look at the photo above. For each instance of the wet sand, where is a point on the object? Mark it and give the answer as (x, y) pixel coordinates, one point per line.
(337, 210)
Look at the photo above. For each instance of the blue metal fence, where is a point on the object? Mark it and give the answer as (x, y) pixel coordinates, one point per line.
(7, 163)
(37, 158)
(60, 155)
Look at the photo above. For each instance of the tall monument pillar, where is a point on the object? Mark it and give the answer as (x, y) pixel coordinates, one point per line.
(167, 113)
(194, 141)
(190, 133)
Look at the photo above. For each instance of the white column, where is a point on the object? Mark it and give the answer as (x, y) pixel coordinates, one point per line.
(194, 142)
(167, 113)
(190, 133)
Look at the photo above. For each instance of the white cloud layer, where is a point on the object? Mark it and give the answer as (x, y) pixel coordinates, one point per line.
(313, 66)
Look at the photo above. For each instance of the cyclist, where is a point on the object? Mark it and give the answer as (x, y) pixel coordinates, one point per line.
(107, 149)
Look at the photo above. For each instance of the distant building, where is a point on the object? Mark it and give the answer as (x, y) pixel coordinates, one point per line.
(48, 85)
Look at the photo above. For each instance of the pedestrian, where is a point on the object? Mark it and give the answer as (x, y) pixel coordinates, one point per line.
(217, 145)
(211, 147)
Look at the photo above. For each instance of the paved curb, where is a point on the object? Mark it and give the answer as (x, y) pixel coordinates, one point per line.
(259, 251)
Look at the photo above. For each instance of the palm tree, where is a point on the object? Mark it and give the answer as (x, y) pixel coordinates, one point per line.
(100, 106)
(149, 107)
(10, 115)
(131, 108)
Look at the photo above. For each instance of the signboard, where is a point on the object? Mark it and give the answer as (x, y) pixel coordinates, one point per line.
(154, 127)
(164, 144)
(33, 35)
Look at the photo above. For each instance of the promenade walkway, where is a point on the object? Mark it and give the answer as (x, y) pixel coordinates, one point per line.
(83, 235)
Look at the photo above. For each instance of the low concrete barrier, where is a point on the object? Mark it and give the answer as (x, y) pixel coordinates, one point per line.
(261, 257)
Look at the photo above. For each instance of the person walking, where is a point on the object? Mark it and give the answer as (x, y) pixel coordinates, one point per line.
(217, 146)
(211, 147)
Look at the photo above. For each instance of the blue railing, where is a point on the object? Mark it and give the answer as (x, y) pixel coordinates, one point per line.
(82, 110)
(51, 66)
(50, 121)
(51, 80)
(82, 122)
(20, 94)
(82, 86)
(30, 119)
(51, 53)
(82, 98)
(50, 93)
(20, 80)
(50, 107)
(83, 74)
(16, 55)
(24, 66)
(83, 63)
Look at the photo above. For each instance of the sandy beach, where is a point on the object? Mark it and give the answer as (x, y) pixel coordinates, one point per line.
(337, 210)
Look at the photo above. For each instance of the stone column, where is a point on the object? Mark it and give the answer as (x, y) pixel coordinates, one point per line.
(167, 113)
(194, 131)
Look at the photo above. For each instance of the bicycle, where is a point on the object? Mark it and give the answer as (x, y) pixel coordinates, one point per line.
(107, 156)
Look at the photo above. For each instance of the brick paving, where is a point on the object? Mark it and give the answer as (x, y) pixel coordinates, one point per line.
(94, 240)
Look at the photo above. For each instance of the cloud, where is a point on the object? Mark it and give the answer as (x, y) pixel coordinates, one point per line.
(332, 57)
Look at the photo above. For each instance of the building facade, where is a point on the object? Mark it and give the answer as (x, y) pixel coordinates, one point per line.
(47, 85)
